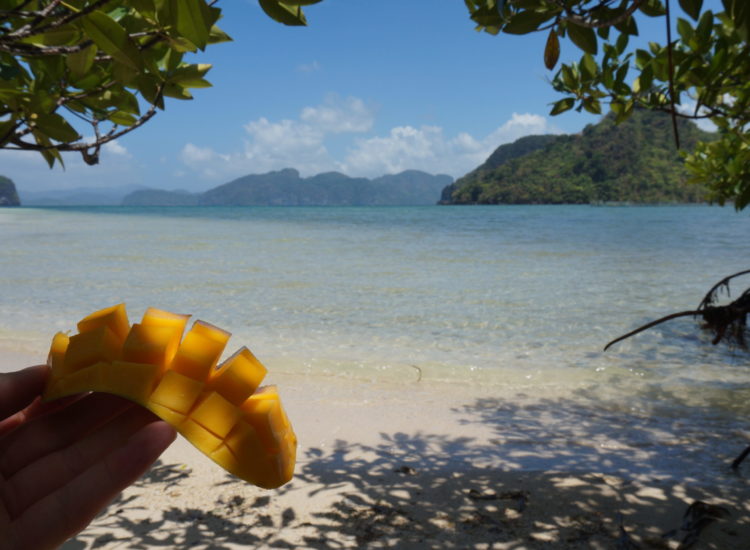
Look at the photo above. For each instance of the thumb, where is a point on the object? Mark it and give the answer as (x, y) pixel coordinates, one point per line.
(18, 389)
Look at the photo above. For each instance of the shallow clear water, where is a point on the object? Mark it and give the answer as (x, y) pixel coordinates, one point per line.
(520, 296)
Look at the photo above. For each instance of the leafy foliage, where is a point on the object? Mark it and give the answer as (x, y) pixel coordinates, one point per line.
(102, 65)
(629, 162)
(706, 67)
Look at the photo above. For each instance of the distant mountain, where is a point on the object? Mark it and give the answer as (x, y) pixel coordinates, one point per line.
(79, 196)
(635, 161)
(287, 188)
(8, 193)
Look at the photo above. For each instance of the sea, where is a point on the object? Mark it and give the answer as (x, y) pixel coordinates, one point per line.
(502, 298)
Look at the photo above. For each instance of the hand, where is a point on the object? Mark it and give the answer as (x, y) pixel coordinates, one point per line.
(62, 462)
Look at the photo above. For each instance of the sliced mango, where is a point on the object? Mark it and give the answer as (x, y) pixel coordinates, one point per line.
(88, 348)
(221, 410)
(200, 351)
(239, 376)
(115, 318)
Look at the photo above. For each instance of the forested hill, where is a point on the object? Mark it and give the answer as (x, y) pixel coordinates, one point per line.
(8, 193)
(635, 161)
(287, 188)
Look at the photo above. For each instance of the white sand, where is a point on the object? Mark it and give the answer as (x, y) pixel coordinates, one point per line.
(413, 465)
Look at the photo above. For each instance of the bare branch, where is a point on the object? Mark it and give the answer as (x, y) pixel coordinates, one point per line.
(652, 324)
(670, 64)
(27, 30)
(34, 50)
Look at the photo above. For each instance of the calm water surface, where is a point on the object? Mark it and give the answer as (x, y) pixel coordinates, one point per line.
(506, 296)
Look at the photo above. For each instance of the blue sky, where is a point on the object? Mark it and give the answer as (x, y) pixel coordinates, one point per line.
(368, 88)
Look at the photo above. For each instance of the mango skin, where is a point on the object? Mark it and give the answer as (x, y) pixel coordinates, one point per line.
(220, 408)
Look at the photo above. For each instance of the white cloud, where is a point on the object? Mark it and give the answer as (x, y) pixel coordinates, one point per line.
(339, 116)
(298, 143)
(115, 148)
(703, 123)
(428, 148)
(304, 144)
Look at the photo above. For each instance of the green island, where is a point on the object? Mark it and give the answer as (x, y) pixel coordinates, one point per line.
(287, 188)
(632, 162)
(8, 193)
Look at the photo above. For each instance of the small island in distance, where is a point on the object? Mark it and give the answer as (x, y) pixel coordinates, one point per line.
(634, 162)
(287, 188)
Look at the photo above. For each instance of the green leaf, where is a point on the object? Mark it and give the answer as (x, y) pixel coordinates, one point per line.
(81, 62)
(692, 8)
(526, 21)
(122, 118)
(288, 15)
(149, 88)
(652, 8)
(622, 42)
(592, 105)
(569, 77)
(193, 21)
(6, 131)
(583, 37)
(176, 91)
(112, 38)
(588, 66)
(628, 26)
(50, 154)
(642, 58)
(621, 73)
(60, 36)
(551, 50)
(144, 7)
(685, 29)
(191, 76)
(56, 127)
(9, 72)
(563, 105)
(301, 2)
(217, 36)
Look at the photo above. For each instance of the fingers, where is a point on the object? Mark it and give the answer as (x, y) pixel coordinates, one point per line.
(19, 389)
(54, 470)
(56, 430)
(67, 510)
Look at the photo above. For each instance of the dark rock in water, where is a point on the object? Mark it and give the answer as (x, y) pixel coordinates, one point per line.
(8, 193)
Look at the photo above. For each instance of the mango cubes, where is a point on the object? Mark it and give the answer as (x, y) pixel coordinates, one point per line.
(219, 407)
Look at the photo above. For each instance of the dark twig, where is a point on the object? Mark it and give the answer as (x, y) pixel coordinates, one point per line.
(670, 62)
(652, 324)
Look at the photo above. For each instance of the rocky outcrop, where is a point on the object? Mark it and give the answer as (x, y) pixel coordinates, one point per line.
(8, 193)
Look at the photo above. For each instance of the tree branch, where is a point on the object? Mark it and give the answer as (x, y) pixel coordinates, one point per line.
(652, 324)
(591, 24)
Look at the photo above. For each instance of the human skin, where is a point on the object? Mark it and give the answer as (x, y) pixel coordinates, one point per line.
(62, 462)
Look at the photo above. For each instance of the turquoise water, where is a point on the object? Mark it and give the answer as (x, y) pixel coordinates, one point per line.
(522, 296)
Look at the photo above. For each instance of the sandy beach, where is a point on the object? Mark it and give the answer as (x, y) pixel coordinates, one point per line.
(413, 465)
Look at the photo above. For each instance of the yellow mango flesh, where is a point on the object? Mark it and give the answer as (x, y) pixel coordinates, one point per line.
(220, 410)
(239, 376)
(200, 351)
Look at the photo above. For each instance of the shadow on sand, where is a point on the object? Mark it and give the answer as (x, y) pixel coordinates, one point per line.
(529, 485)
